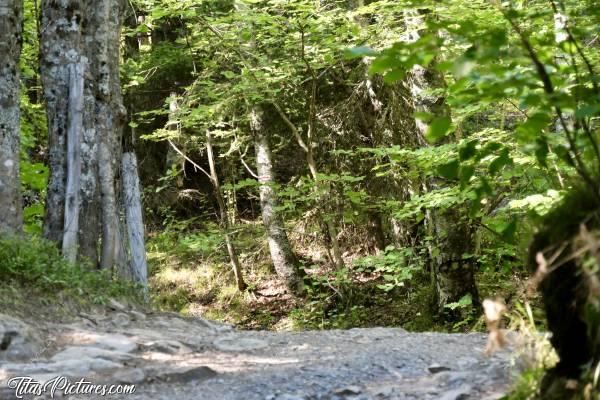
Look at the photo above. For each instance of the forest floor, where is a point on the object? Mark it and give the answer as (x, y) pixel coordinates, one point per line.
(167, 356)
(189, 275)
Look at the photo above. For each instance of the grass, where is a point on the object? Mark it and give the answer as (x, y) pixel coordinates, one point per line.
(35, 277)
(190, 274)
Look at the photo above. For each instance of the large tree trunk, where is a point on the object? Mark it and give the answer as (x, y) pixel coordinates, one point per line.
(452, 275)
(110, 116)
(283, 257)
(61, 43)
(11, 25)
(84, 34)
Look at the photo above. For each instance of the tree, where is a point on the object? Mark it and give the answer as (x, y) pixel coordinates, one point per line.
(224, 216)
(453, 276)
(80, 56)
(11, 25)
(283, 257)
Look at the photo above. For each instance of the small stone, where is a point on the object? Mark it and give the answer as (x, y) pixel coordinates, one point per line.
(462, 393)
(115, 342)
(167, 347)
(115, 305)
(137, 316)
(238, 343)
(348, 390)
(189, 375)
(435, 368)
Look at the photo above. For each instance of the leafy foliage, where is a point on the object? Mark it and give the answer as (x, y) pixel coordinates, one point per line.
(38, 265)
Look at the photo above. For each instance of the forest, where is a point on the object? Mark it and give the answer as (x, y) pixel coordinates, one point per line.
(294, 165)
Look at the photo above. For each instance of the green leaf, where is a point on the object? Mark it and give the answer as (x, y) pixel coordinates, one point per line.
(465, 301)
(466, 172)
(468, 150)
(359, 52)
(508, 231)
(449, 170)
(535, 124)
(500, 161)
(394, 75)
(588, 110)
(438, 129)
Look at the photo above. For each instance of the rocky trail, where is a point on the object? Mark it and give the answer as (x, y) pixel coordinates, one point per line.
(170, 357)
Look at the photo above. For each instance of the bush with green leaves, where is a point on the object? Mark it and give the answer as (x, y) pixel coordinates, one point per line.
(36, 264)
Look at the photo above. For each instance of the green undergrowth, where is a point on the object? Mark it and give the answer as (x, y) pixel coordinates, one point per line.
(32, 270)
(190, 274)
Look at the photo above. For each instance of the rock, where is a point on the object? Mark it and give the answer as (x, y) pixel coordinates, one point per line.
(183, 376)
(166, 346)
(137, 316)
(435, 368)
(120, 320)
(75, 352)
(120, 343)
(18, 341)
(82, 366)
(74, 368)
(462, 393)
(348, 390)
(130, 376)
(288, 396)
(115, 305)
(384, 391)
(217, 327)
(239, 343)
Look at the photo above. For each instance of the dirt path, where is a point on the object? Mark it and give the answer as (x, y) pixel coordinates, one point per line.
(172, 358)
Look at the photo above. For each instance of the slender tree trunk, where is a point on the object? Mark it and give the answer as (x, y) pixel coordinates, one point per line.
(75, 123)
(233, 258)
(134, 217)
(60, 43)
(283, 257)
(89, 229)
(11, 27)
(453, 277)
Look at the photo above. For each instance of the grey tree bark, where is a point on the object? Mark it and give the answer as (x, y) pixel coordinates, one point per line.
(134, 217)
(61, 44)
(453, 277)
(106, 16)
(84, 33)
(11, 26)
(75, 128)
(283, 257)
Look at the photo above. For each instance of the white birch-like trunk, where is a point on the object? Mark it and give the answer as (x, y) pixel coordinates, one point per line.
(11, 25)
(134, 218)
(282, 255)
(74, 131)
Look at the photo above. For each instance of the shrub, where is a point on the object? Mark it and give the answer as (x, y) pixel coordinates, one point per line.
(34, 263)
